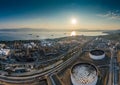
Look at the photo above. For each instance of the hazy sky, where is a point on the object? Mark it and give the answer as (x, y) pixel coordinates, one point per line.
(57, 14)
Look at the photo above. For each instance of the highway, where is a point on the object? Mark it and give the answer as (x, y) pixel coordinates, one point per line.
(73, 53)
(110, 69)
(113, 71)
(49, 72)
(55, 80)
(65, 64)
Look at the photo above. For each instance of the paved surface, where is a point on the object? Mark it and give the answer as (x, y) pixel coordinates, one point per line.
(113, 71)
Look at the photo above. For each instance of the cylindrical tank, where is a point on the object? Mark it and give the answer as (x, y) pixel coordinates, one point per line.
(84, 74)
(97, 54)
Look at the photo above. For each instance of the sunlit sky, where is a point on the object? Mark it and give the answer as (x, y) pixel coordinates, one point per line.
(57, 14)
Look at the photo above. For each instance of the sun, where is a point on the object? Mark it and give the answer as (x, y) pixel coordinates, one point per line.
(73, 21)
(73, 33)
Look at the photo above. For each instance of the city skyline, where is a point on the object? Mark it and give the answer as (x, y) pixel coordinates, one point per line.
(57, 14)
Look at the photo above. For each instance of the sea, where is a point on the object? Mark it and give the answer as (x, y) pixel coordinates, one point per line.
(10, 36)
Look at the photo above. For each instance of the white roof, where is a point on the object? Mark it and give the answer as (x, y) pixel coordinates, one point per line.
(4, 51)
(30, 45)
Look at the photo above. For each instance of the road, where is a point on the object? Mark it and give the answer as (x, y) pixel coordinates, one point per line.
(113, 71)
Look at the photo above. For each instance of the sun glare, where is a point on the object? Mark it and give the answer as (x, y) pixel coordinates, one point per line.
(74, 21)
(73, 33)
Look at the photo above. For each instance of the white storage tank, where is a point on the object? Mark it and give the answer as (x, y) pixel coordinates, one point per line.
(84, 74)
(97, 54)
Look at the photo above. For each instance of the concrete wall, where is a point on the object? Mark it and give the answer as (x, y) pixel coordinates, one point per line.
(99, 57)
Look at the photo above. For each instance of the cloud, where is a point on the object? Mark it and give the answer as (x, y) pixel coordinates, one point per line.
(111, 15)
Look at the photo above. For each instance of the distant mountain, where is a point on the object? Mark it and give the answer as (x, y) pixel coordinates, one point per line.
(54, 30)
(115, 36)
(112, 31)
(22, 30)
(87, 30)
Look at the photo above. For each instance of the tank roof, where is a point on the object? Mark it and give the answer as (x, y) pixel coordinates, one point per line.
(84, 72)
(97, 52)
